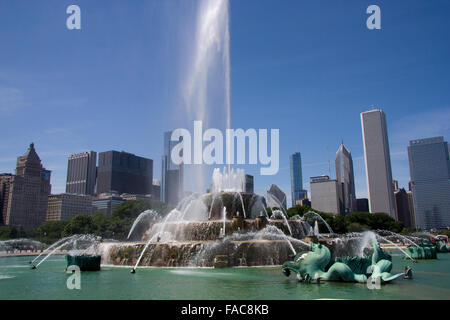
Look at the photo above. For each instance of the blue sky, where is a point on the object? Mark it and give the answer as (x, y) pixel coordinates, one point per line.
(307, 68)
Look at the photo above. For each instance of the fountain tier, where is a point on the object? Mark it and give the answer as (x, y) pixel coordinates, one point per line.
(211, 230)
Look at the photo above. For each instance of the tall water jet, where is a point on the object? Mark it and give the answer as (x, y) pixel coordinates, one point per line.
(206, 85)
(316, 229)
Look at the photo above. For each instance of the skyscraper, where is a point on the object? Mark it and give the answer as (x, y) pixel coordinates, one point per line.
(325, 194)
(124, 172)
(276, 197)
(5, 185)
(25, 204)
(411, 208)
(346, 179)
(172, 175)
(81, 173)
(402, 207)
(249, 183)
(378, 162)
(429, 167)
(297, 191)
(65, 206)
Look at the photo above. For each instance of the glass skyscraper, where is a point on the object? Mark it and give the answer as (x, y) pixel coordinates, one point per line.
(172, 175)
(346, 180)
(123, 172)
(429, 167)
(297, 191)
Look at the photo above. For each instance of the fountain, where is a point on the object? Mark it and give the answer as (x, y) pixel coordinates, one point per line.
(81, 257)
(225, 222)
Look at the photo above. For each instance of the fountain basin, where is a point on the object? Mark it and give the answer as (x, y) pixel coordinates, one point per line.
(200, 253)
(239, 252)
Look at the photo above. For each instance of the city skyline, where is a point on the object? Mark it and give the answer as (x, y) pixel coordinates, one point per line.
(300, 77)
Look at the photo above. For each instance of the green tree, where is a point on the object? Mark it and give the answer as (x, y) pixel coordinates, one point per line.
(297, 210)
(80, 224)
(51, 231)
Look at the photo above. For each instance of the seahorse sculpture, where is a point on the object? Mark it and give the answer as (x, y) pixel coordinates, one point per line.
(313, 264)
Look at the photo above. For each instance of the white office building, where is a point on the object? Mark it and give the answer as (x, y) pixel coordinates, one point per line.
(378, 162)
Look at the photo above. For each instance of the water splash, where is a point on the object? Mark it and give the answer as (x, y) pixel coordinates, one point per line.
(316, 229)
(46, 251)
(148, 215)
(224, 217)
(318, 216)
(71, 241)
(232, 180)
(398, 236)
(278, 213)
(242, 203)
(367, 236)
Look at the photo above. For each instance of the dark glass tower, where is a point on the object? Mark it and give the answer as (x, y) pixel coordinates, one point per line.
(81, 173)
(172, 175)
(346, 179)
(297, 191)
(429, 167)
(124, 172)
